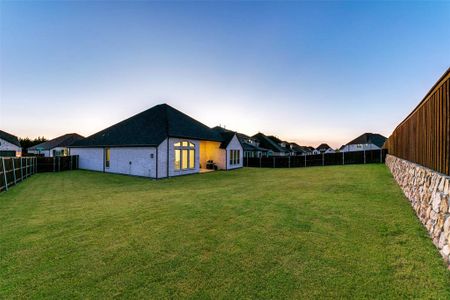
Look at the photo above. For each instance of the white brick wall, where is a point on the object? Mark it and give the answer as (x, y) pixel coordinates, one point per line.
(7, 146)
(138, 161)
(359, 147)
(89, 158)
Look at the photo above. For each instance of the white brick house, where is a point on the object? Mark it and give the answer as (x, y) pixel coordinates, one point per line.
(9, 145)
(56, 147)
(158, 143)
(366, 141)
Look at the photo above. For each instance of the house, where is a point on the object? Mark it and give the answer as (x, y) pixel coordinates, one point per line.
(296, 149)
(9, 145)
(158, 143)
(323, 148)
(366, 141)
(267, 143)
(283, 144)
(56, 147)
(250, 145)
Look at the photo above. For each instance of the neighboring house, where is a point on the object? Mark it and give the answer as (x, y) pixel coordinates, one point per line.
(283, 144)
(366, 141)
(296, 149)
(57, 147)
(268, 143)
(9, 145)
(158, 143)
(323, 148)
(250, 145)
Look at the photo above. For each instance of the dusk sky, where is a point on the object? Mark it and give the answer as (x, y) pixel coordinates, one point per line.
(309, 72)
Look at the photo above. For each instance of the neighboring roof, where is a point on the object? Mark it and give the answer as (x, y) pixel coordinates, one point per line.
(227, 136)
(297, 148)
(61, 141)
(323, 147)
(267, 143)
(369, 138)
(9, 138)
(151, 128)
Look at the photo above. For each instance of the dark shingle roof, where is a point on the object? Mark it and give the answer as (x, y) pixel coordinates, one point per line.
(61, 141)
(150, 128)
(267, 143)
(323, 147)
(9, 138)
(369, 138)
(227, 135)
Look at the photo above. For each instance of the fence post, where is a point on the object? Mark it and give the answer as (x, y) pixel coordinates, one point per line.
(21, 169)
(53, 158)
(289, 161)
(35, 165)
(260, 158)
(305, 160)
(273, 161)
(364, 156)
(343, 157)
(71, 158)
(323, 159)
(14, 170)
(59, 163)
(381, 155)
(4, 173)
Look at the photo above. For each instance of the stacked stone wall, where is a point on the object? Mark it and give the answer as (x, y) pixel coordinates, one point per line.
(428, 192)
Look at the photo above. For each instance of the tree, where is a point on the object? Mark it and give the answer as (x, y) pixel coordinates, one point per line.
(27, 142)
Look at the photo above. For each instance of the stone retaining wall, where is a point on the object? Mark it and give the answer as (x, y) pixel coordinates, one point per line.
(428, 191)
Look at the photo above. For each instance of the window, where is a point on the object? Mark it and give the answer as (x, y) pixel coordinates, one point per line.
(235, 157)
(184, 156)
(107, 157)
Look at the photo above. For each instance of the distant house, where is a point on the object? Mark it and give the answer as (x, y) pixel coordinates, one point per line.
(296, 149)
(9, 145)
(158, 143)
(268, 143)
(283, 144)
(249, 144)
(323, 148)
(366, 141)
(56, 147)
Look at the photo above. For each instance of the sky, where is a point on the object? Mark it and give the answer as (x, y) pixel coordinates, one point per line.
(308, 72)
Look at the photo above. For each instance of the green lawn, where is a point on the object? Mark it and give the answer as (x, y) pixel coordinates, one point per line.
(344, 231)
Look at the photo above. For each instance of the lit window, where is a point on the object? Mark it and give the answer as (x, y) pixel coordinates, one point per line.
(184, 156)
(107, 157)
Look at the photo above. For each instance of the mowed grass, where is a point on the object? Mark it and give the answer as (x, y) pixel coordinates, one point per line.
(341, 232)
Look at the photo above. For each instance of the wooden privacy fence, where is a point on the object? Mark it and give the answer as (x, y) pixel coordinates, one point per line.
(424, 136)
(325, 159)
(16, 169)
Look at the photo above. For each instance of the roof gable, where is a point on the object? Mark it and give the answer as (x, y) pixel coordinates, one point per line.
(9, 138)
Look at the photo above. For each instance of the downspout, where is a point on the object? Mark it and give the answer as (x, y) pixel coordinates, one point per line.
(157, 161)
(226, 159)
(168, 157)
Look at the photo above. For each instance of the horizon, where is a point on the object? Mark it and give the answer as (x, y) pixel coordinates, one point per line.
(305, 72)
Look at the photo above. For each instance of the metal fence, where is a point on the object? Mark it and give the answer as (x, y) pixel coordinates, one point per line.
(424, 136)
(16, 169)
(325, 159)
